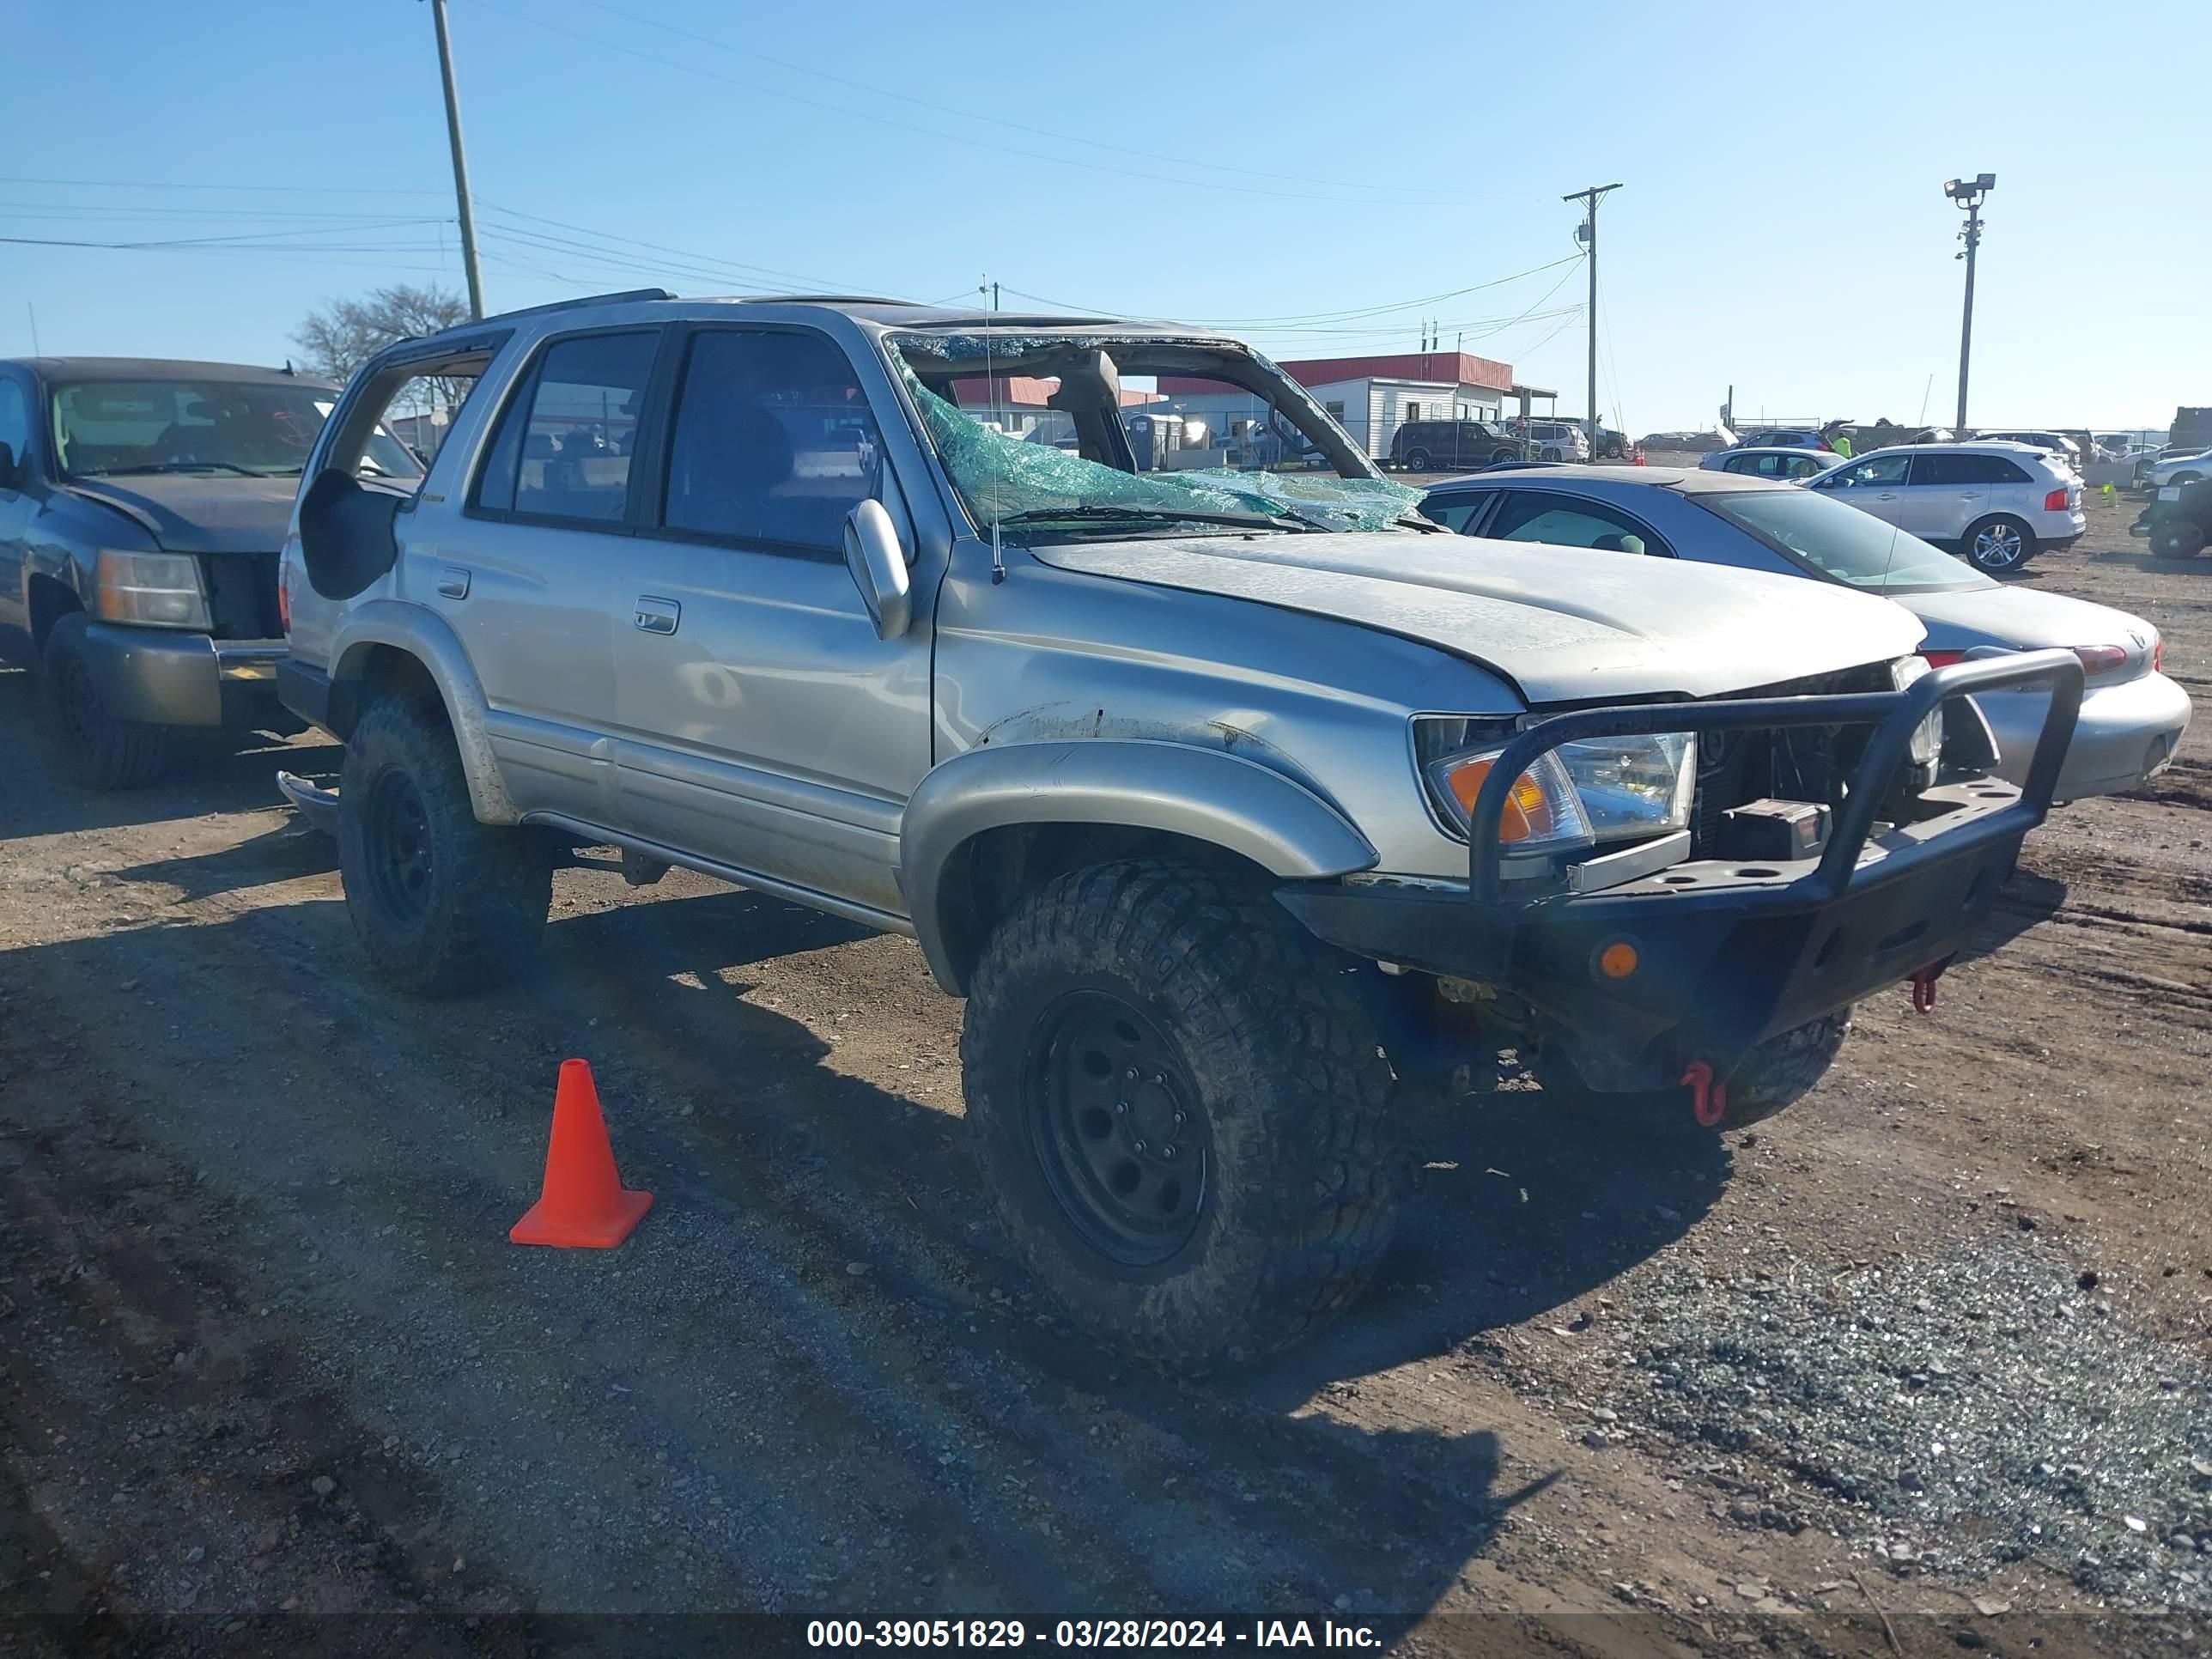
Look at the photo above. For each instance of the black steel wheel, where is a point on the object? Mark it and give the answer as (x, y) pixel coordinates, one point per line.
(443, 904)
(1119, 1128)
(396, 841)
(1178, 1100)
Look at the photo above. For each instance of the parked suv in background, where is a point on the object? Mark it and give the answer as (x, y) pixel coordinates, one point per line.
(2057, 443)
(1238, 805)
(1999, 504)
(1556, 440)
(1450, 445)
(143, 502)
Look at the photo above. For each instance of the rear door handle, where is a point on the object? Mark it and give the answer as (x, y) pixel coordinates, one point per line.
(453, 582)
(656, 615)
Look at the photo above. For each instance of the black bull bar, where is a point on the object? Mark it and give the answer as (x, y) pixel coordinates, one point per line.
(1729, 956)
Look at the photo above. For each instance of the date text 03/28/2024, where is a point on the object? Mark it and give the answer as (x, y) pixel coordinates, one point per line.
(1113, 1633)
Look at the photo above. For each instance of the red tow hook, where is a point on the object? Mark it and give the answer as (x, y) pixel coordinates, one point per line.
(1707, 1099)
(1923, 990)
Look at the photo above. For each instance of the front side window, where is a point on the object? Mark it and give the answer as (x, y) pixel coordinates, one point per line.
(1875, 469)
(15, 418)
(773, 441)
(1535, 515)
(213, 429)
(565, 441)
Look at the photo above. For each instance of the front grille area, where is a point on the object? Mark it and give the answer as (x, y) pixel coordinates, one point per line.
(1811, 764)
(241, 592)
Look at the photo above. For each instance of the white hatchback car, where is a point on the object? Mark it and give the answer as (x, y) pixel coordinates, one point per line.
(1998, 503)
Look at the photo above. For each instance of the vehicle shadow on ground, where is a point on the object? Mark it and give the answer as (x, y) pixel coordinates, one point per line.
(214, 771)
(740, 1110)
(2153, 565)
(2024, 900)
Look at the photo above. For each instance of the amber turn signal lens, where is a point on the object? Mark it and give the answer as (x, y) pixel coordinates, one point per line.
(1527, 813)
(1618, 960)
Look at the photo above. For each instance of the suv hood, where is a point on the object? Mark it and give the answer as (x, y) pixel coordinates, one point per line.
(1565, 624)
(187, 514)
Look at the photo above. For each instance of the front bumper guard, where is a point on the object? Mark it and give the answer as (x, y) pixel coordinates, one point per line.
(1728, 953)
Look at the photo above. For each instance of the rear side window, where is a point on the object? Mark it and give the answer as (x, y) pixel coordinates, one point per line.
(773, 441)
(1967, 469)
(1535, 515)
(565, 441)
(1456, 512)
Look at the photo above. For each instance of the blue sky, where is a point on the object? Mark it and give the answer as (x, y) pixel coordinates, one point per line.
(1782, 226)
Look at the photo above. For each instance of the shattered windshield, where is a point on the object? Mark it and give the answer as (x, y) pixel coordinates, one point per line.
(1062, 434)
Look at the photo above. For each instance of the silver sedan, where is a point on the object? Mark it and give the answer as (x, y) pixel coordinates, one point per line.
(2132, 715)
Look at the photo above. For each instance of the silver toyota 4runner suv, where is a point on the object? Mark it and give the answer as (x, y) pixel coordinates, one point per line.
(1240, 806)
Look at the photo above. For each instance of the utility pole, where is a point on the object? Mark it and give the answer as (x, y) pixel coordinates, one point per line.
(1588, 233)
(460, 164)
(1968, 194)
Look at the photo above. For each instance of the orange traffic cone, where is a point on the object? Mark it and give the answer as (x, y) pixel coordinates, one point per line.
(583, 1204)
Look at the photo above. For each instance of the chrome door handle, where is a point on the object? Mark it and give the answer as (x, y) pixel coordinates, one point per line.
(657, 615)
(453, 582)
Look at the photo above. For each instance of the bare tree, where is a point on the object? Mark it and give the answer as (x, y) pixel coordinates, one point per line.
(344, 335)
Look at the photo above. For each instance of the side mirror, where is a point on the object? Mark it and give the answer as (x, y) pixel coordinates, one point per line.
(878, 567)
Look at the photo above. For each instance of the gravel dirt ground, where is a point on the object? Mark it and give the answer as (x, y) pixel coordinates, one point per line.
(1920, 1365)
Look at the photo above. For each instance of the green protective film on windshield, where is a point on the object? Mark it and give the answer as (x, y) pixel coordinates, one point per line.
(1000, 476)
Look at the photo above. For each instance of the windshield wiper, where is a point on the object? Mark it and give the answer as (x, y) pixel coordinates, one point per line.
(1157, 514)
(181, 466)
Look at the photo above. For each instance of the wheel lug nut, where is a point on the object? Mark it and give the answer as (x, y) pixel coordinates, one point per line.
(1178, 1118)
(1167, 1152)
(1138, 1145)
(1159, 1079)
(1131, 1074)
(1122, 1107)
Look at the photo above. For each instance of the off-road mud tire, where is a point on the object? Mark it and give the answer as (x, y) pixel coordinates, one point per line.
(477, 916)
(1302, 1169)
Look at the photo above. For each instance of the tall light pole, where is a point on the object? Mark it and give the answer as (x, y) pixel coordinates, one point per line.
(1968, 194)
(460, 164)
(1588, 233)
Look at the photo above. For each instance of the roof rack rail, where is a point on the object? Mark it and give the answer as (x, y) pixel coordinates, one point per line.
(627, 294)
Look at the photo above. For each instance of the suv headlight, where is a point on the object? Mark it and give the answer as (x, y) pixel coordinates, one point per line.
(1598, 789)
(159, 590)
(1928, 736)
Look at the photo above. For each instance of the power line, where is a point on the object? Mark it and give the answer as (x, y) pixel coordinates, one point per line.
(93, 213)
(852, 113)
(1366, 187)
(688, 255)
(148, 184)
(245, 241)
